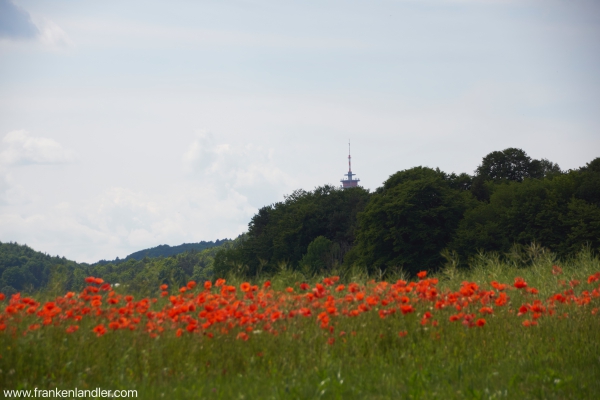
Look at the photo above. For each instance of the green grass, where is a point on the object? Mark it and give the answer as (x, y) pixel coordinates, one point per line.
(558, 359)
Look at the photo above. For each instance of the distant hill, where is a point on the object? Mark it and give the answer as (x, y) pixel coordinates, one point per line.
(164, 250)
(24, 269)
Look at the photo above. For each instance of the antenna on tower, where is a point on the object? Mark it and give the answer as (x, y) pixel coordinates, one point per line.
(348, 183)
(349, 158)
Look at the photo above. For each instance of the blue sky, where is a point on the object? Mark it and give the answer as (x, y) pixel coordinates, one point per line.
(128, 124)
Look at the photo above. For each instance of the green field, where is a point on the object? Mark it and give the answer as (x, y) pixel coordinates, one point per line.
(235, 341)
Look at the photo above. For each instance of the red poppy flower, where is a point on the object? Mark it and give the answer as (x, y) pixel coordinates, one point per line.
(520, 283)
(501, 300)
(99, 330)
(406, 309)
(323, 317)
(456, 317)
(72, 328)
(523, 310)
(33, 327)
(556, 270)
(305, 312)
(591, 279)
(245, 287)
(220, 282)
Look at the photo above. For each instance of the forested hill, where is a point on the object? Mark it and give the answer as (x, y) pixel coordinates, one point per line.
(21, 266)
(164, 250)
(24, 269)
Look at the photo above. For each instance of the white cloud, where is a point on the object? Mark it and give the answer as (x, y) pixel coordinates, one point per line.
(245, 169)
(121, 221)
(201, 153)
(5, 185)
(19, 148)
(52, 35)
(225, 185)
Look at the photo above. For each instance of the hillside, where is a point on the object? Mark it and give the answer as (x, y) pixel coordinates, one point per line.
(164, 250)
(24, 269)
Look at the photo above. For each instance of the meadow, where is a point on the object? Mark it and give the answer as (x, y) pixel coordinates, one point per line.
(498, 329)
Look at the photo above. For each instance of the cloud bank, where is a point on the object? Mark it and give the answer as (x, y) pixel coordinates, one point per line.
(19, 149)
(219, 188)
(22, 149)
(245, 170)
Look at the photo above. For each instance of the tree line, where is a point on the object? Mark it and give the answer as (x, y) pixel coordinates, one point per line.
(420, 213)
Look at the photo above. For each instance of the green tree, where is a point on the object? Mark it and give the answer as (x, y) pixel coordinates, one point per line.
(589, 187)
(13, 276)
(544, 168)
(317, 257)
(283, 231)
(409, 221)
(545, 211)
(583, 221)
(509, 165)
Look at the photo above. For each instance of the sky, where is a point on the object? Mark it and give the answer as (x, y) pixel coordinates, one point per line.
(129, 124)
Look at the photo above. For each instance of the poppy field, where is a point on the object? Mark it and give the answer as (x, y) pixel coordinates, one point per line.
(497, 331)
